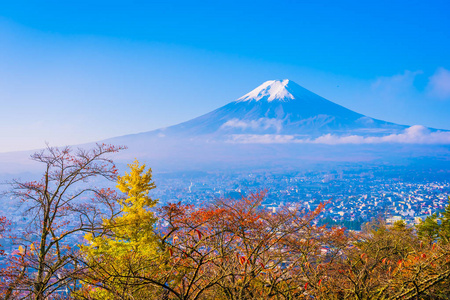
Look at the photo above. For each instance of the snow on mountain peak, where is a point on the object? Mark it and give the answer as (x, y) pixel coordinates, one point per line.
(269, 90)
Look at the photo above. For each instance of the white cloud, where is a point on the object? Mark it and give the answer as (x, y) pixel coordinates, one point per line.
(262, 139)
(262, 123)
(416, 134)
(439, 84)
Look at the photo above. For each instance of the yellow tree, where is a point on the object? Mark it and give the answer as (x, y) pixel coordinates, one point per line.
(128, 248)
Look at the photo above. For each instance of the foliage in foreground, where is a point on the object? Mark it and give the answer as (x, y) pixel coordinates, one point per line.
(233, 249)
(226, 249)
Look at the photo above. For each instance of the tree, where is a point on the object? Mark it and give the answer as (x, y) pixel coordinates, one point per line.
(436, 227)
(444, 231)
(4, 223)
(390, 262)
(60, 206)
(428, 229)
(227, 249)
(365, 268)
(128, 249)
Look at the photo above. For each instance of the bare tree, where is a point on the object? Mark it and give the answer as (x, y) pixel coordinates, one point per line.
(61, 206)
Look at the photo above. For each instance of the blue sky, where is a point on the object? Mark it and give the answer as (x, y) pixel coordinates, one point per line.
(81, 71)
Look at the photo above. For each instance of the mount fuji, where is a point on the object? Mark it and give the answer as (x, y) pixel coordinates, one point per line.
(278, 107)
(282, 123)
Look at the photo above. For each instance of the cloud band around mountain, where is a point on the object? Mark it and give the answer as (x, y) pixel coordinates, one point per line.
(260, 124)
(416, 134)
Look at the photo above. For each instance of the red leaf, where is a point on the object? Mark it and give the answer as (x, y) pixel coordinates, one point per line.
(199, 234)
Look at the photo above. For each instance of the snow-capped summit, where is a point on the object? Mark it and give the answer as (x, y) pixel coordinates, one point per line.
(269, 90)
(280, 91)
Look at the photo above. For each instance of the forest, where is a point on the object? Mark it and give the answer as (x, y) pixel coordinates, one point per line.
(86, 241)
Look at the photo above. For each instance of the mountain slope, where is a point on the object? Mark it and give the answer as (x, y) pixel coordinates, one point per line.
(280, 107)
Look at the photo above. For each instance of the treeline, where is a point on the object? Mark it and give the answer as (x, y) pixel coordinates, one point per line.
(227, 249)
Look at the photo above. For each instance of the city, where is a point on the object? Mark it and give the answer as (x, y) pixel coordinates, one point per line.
(353, 198)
